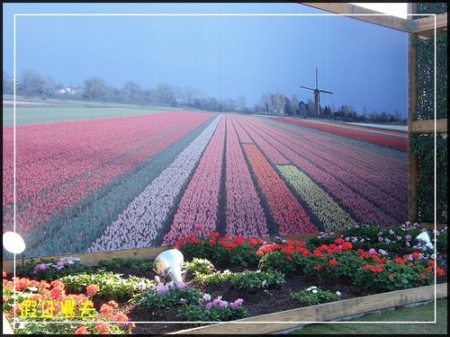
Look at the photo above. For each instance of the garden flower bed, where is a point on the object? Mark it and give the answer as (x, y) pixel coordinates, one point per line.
(225, 280)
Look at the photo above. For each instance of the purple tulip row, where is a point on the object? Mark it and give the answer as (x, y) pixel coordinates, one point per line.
(361, 206)
(386, 169)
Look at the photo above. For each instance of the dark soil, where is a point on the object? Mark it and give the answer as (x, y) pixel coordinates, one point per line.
(259, 303)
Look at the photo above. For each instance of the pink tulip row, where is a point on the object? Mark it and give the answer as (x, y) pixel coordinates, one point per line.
(242, 134)
(289, 215)
(387, 169)
(273, 155)
(356, 177)
(244, 213)
(141, 222)
(362, 209)
(199, 204)
(59, 164)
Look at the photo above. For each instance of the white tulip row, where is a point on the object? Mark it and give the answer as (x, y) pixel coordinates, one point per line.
(139, 224)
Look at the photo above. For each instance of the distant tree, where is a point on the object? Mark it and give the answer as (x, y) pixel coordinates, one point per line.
(165, 95)
(96, 89)
(311, 108)
(132, 92)
(211, 104)
(8, 84)
(294, 104)
(302, 109)
(32, 83)
(287, 106)
(327, 112)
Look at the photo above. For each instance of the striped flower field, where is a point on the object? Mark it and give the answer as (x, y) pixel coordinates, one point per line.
(142, 181)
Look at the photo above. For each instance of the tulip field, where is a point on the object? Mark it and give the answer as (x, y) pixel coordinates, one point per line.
(148, 180)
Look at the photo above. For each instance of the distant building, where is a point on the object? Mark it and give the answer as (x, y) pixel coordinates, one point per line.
(67, 90)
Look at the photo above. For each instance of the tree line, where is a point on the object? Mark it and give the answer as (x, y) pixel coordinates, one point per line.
(34, 84)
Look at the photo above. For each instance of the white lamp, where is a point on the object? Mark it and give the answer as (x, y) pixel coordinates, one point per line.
(13, 242)
(425, 238)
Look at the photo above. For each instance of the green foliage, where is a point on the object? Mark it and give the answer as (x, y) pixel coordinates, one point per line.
(244, 255)
(277, 261)
(425, 65)
(393, 276)
(199, 266)
(117, 263)
(422, 147)
(314, 295)
(431, 7)
(248, 281)
(112, 286)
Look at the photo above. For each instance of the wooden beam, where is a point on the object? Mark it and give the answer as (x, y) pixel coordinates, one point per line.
(277, 322)
(412, 116)
(360, 13)
(424, 27)
(427, 126)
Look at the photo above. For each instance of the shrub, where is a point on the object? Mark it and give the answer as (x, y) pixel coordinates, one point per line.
(314, 295)
(216, 310)
(165, 295)
(199, 266)
(112, 286)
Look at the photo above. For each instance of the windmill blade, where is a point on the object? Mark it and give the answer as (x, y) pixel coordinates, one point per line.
(307, 88)
(325, 91)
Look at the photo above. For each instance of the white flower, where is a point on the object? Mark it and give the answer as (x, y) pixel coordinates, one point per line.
(140, 286)
(314, 291)
(311, 288)
(338, 293)
(33, 289)
(206, 297)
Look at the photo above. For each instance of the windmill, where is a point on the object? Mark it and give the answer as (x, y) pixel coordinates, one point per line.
(317, 92)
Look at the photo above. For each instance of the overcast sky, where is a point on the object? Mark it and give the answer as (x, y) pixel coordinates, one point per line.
(364, 65)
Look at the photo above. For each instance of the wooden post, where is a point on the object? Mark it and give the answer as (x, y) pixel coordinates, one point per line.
(412, 116)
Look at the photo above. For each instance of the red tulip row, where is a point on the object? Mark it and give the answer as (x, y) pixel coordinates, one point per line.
(199, 203)
(244, 213)
(361, 207)
(399, 142)
(284, 207)
(59, 164)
